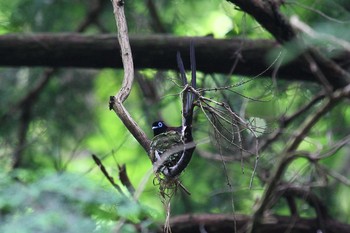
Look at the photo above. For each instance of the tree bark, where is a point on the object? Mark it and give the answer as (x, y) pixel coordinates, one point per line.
(158, 52)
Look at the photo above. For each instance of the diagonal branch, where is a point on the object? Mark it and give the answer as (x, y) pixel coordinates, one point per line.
(116, 102)
(266, 13)
(105, 173)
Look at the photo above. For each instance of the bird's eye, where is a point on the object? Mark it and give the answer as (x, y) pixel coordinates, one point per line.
(160, 124)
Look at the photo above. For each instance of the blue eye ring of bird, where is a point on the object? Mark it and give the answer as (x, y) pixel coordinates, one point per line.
(160, 124)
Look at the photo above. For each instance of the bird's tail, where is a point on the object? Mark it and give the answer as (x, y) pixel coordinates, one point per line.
(188, 97)
(187, 116)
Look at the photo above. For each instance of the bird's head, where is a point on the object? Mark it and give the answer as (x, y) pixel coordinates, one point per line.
(159, 127)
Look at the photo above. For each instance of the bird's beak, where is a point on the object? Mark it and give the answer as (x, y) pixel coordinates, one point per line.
(155, 127)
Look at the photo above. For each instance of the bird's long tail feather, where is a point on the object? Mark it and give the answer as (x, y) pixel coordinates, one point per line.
(188, 96)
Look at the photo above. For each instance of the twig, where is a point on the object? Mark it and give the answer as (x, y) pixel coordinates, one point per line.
(116, 102)
(105, 173)
(157, 23)
(335, 175)
(311, 199)
(318, 12)
(286, 120)
(92, 15)
(25, 106)
(297, 23)
(289, 153)
(332, 150)
(124, 178)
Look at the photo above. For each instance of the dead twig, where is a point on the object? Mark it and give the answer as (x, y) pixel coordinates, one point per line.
(105, 173)
(124, 179)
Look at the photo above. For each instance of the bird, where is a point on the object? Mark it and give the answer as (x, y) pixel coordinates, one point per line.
(171, 148)
(160, 127)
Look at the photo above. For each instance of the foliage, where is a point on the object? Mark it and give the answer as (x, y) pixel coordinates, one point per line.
(64, 202)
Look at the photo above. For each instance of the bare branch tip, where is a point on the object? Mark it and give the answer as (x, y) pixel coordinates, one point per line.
(111, 102)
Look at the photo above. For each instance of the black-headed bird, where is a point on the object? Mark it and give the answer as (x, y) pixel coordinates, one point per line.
(172, 147)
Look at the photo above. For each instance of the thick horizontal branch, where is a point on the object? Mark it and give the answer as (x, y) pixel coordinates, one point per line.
(227, 223)
(74, 50)
(159, 52)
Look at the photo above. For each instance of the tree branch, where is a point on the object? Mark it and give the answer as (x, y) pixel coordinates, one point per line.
(116, 102)
(288, 155)
(268, 15)
(92, 15)
(106, 174)
(211, 223)
(158, 51)
(25, 106)
(157, 23)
